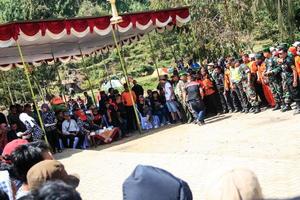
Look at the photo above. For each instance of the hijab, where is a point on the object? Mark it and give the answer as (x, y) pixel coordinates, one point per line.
(25, 118)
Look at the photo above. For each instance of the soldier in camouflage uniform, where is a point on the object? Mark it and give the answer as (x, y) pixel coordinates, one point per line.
(248, 81)
(273, 74)
(290, 84)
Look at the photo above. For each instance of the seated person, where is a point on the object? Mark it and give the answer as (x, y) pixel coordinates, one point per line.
(111, 113)
(158, 108)
(145, 112)
(71, 131)
(12, 133)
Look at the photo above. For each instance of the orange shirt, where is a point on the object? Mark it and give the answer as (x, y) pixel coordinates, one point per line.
(227, 79)
(207, 86)
(297, 64)
(127, 98)
(261, 69)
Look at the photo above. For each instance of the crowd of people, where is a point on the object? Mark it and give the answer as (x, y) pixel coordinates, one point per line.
(270, 78)
(28, 171)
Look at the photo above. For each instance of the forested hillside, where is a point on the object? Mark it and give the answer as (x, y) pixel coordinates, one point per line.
(218, 28)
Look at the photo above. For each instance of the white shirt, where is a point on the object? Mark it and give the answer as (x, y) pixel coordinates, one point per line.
(168, 91)
(69, 126)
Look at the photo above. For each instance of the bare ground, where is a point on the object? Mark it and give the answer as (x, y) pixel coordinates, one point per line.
(267, 143)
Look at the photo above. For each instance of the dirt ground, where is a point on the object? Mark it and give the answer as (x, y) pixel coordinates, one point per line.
(267, 143)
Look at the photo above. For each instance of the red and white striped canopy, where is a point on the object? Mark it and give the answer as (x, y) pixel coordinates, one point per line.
(63, 38)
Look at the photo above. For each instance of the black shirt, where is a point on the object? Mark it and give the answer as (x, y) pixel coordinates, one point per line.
(11, 135)
(138, 90)
(193, 91)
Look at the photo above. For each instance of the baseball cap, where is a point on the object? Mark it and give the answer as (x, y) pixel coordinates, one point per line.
(50, 170)
(12, 146)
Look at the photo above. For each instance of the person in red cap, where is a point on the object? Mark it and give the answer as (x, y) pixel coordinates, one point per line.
(12, 146)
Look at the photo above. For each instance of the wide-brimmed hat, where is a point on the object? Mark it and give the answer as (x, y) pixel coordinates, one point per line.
(50, 170)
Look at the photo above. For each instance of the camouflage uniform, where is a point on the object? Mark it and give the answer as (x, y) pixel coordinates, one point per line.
(249, 88)
(289, 92)
(274, 79)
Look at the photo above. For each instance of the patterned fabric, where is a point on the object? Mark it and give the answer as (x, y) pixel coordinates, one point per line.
(35, 131)
(5, 184)
(83, 126)
(49, 120)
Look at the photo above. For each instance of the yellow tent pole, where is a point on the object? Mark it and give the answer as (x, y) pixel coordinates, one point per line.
(31, 90)
(59, 78)
(153, 56)
(8, 88)
(87, 77)
(122, 62)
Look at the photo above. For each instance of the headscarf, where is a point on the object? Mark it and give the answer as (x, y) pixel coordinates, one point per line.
(25, 118)
(45, 106)
(237, 184)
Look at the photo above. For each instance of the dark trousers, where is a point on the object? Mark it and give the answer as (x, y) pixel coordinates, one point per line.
(198, 109)
(239, 96)
(53, 140)
(131, 118)
(212, 104)
(260, 92)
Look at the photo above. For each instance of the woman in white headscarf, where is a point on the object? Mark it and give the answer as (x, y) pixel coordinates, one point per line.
(237, 184)
(32, 128)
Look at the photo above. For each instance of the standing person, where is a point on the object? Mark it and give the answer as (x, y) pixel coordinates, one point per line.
(248, 71)
(111, 94)
(228, 90)
(259, 59)
(129, 100)
(273, 77)
(297, 58)
(88, 100)
(33, 130)
(178, 90)
(238, 93)
(170, 98)
(138, 89)
(219, 79)
(289, 77)
(194, 95)
(210, 97)
(50, 121)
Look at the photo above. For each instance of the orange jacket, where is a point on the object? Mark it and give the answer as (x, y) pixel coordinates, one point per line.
(297, 64)
(127, 98)
(227, 85)
(207, 86)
